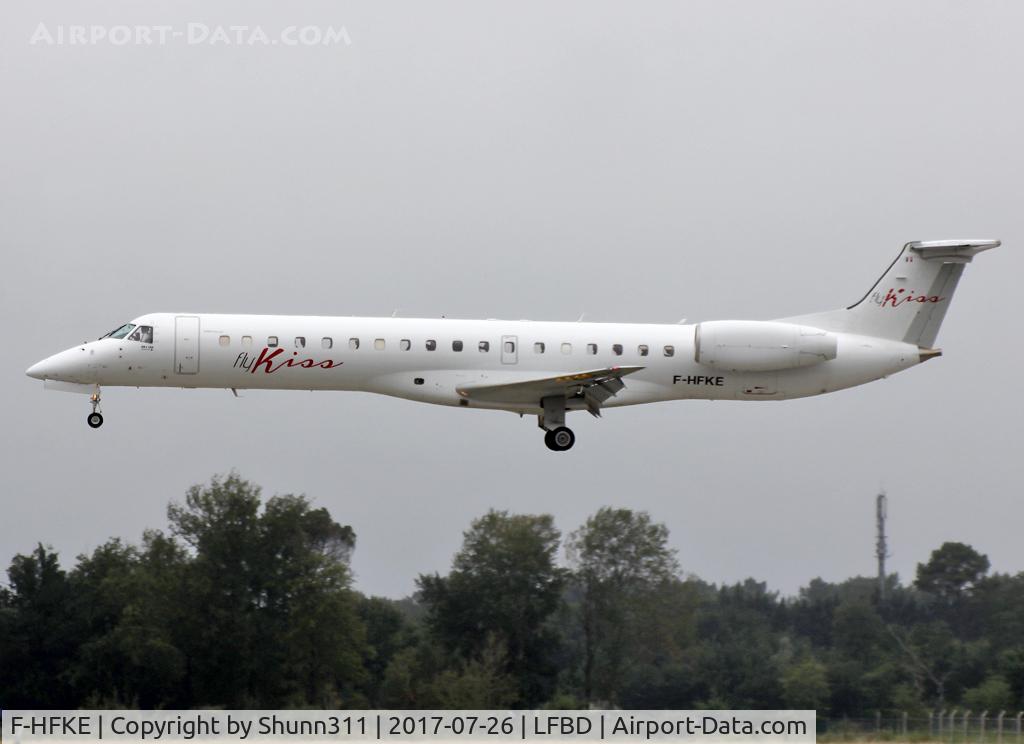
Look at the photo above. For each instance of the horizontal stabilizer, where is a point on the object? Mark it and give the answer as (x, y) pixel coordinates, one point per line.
(963, 250)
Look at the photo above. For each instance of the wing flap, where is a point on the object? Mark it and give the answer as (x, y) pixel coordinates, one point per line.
(596, 385)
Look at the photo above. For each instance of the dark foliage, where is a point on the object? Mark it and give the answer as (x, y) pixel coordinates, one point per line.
(247, 603)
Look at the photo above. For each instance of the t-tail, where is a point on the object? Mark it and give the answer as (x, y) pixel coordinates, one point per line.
(909, 301)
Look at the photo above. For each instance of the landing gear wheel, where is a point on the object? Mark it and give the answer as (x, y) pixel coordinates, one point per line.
(560, 439)
(95, 419)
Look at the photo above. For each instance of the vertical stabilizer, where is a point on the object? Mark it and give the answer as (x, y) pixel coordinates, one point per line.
(909, 301)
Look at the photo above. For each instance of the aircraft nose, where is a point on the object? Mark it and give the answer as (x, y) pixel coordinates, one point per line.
(37, 370)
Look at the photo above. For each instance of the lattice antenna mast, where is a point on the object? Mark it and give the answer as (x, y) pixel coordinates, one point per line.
(881, 544)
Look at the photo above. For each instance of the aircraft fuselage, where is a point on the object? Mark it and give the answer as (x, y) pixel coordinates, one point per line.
(417, 359)
(541, 368)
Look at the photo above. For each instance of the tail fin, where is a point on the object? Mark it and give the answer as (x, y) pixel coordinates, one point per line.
(910, 300)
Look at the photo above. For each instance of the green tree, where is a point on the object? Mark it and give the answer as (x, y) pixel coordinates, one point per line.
(220, 523)
(41, 634)
(408, 679)
(998, 609)
(805, 686)
(930, 654)
(130, 657)
(858, 631)
(622, 563)
(1010, 664)
(271, 617)
(504, 585)
(387, 633)
(738, 664)
(952, 572)
(481, 683)
(811, 612)
(307, 609)
(860, 671)
(994, 694)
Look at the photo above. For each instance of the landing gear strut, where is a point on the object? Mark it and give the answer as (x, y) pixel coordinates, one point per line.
(95, 419)
(557, 436)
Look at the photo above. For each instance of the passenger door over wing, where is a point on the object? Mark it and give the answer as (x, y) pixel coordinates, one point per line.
(509, 349)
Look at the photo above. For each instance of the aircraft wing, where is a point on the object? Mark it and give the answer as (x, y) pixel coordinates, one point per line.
(594, 386)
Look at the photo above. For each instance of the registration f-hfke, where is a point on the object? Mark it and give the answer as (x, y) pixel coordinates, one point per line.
(543, 369)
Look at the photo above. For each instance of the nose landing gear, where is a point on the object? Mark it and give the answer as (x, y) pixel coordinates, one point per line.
(95, 419)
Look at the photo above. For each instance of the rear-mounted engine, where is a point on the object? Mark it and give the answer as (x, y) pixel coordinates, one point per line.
(761, 346)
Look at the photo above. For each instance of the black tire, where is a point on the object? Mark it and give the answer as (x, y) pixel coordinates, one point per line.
(563, 438)
(95, 420)
(550, 442)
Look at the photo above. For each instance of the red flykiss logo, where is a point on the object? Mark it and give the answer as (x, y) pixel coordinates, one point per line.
(269, 362)
(896, 297)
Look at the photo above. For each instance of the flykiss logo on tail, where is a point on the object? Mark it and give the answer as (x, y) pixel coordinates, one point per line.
(896, 297)
(269, 362)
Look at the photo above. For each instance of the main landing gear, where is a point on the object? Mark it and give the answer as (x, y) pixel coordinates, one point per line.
(557, 436)
(560, 439)
(95, 419)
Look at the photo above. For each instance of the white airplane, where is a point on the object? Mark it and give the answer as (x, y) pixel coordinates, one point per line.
(537, 368)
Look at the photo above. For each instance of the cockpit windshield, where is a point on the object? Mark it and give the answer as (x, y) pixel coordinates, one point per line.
(120, 332)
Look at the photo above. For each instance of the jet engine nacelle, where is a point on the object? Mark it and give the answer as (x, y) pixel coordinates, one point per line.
(761, 346)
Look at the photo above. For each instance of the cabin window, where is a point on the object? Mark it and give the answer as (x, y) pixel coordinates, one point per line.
(538, 348)
(405, 344)
(144, 334)
(300, 342)
(617, 349)
(642, 349)
(246, 341)
(271, 341)
(326, 342)
(431, 344)
(510, 347)
(591, 348)
(670, 351)
(223, 340)
(378, 344)
(567, 348)
(484, 346)
(353, 343)
(456, 346)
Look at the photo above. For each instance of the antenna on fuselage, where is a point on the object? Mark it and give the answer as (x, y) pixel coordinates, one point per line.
(580, 319)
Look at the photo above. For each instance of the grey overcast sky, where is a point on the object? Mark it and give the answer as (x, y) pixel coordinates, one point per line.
(637, 162)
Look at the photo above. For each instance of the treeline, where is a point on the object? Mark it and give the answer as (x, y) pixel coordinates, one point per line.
(249, 604)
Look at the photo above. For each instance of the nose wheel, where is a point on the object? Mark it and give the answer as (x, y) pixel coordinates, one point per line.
(95, 419)
(560, 439)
